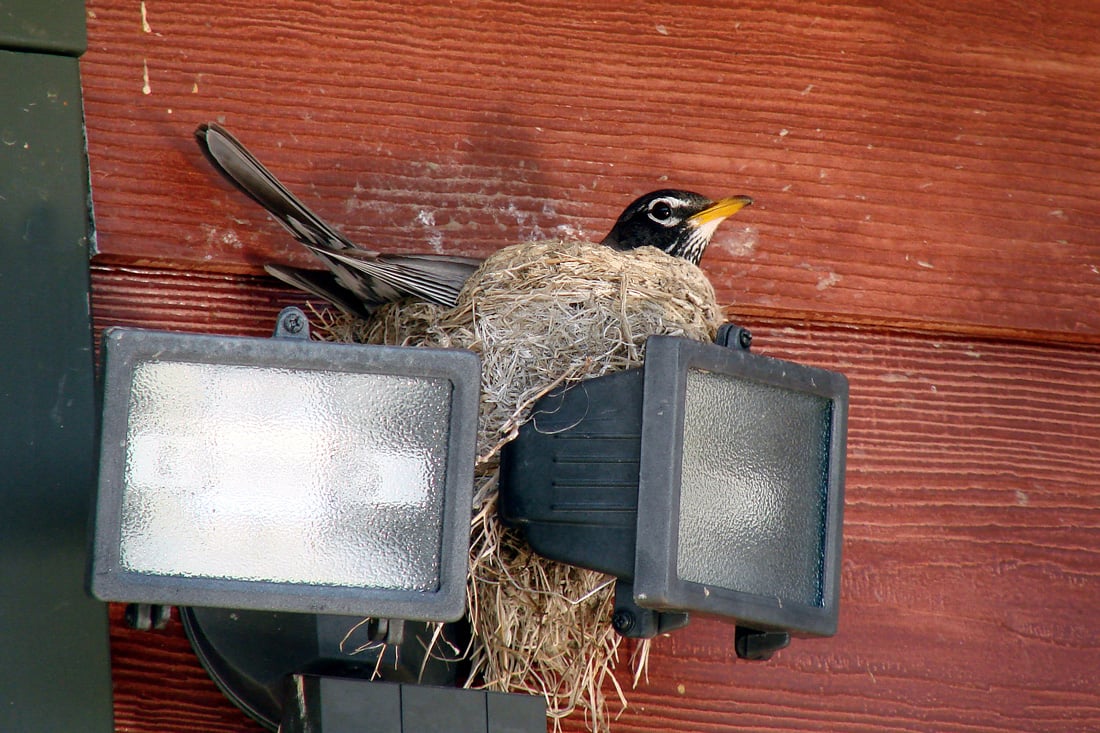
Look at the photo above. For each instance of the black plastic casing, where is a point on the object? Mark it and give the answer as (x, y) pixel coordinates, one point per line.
(570, 479)
(594, 480)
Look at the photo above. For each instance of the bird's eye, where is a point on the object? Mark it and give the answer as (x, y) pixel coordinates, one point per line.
(660, 212)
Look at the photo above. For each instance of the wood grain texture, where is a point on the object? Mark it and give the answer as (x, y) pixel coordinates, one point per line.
(971, 553)
(926, 222)
(927, 164)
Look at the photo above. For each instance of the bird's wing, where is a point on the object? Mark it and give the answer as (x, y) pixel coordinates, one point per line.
(434, 278)
(238, 165)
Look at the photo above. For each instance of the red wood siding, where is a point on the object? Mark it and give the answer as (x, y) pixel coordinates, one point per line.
(927, 181)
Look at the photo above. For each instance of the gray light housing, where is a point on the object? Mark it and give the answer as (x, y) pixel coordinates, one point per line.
(125, 350)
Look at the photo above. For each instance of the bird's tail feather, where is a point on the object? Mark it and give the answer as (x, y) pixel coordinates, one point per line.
(321, 283)
(358, 280)
(384, 277)
(248, 174)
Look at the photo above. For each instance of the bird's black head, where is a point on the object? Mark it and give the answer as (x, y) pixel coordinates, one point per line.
(680, 223)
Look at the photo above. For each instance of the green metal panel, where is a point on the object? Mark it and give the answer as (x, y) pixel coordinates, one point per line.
(54, 665)
(49, 26)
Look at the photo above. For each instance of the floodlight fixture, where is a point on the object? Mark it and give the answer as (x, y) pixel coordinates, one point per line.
(709, 480)
(285, 474)
(300, 501)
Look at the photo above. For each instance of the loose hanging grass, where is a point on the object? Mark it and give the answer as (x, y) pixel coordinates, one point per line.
(539, 315)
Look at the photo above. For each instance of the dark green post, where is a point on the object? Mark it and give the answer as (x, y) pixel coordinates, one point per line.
(54, 663)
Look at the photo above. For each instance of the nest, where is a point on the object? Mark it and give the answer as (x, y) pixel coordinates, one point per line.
(540, 315)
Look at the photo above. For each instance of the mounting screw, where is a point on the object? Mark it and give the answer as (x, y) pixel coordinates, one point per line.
(623, 621)
(744, 338)
(292, 323)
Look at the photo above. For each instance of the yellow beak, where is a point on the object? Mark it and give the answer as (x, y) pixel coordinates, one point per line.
(720, 209)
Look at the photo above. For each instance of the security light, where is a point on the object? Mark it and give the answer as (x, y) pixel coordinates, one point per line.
(709, 480)
(287, 475)
(301, 502)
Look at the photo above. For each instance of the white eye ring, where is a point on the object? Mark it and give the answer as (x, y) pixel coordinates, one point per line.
(660, 211)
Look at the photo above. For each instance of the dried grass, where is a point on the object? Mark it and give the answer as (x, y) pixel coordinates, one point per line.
(539, 315)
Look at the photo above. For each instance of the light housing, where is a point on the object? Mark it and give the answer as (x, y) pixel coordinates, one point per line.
(709, 480)
(355, 706)
(286, 475)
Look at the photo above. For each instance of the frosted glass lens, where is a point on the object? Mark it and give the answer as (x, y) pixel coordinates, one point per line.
(754, 473)
(256, 473)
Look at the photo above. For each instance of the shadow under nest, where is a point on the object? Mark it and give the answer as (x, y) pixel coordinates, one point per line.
(539, 315)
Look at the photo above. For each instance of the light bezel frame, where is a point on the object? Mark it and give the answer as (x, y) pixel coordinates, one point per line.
(656, 583)
(125, 348)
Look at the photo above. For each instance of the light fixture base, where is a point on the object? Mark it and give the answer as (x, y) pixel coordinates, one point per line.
(251, 655)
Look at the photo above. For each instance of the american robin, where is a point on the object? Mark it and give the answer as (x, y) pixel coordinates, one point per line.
(358, 280)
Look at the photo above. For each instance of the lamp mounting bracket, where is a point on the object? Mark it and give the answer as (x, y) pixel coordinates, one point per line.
(635, 622)
(292, 323)
(733, 336)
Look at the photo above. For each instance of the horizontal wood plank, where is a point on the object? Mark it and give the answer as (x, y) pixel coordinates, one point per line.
(926, 222)
(929, 164)
(971, 553)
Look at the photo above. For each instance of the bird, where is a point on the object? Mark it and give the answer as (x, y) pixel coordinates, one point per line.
(359, 280)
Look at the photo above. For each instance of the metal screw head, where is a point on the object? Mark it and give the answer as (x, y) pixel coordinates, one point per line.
(293, 323)
(623, 621)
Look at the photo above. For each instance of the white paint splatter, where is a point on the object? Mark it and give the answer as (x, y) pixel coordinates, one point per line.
(568, 231)
(426, 218)
(735, 241)
(527, 224)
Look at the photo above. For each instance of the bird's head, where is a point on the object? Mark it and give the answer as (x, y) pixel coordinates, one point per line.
(680, 223)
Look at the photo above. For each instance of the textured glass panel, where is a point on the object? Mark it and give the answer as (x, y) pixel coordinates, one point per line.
(754, 474)
(258, 473)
